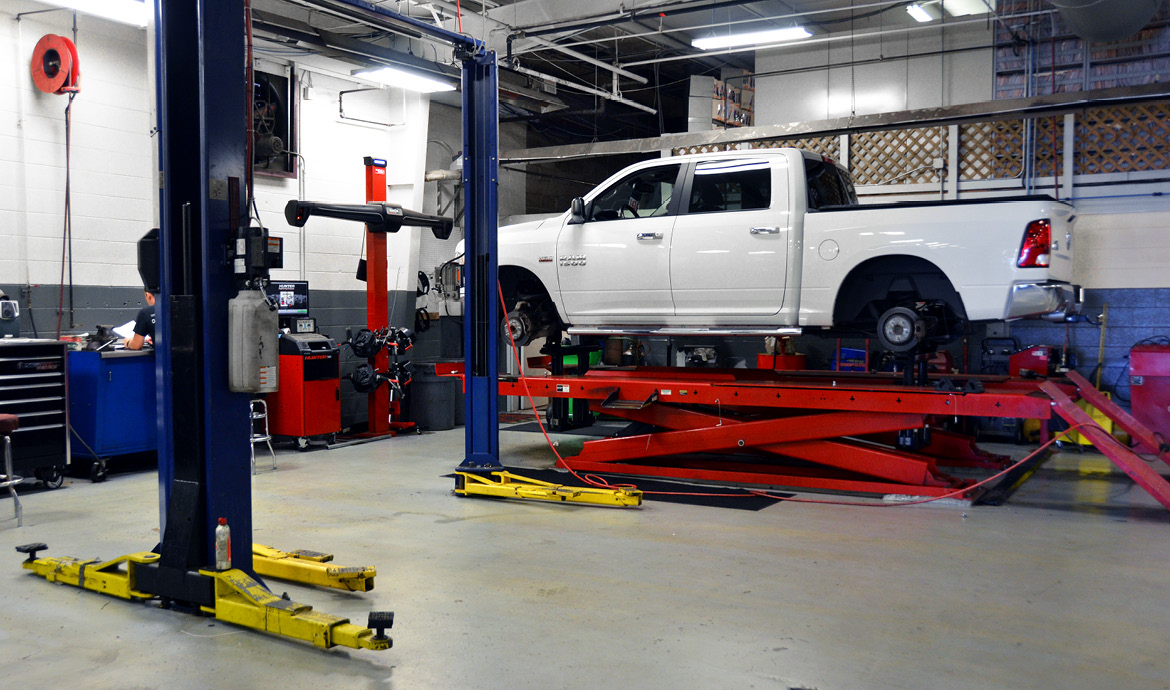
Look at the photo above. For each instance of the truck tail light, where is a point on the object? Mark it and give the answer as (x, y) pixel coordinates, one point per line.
(1034, 250)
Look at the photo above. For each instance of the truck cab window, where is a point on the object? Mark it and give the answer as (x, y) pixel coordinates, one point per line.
(731, 185)
(644, 194)
(828, 185)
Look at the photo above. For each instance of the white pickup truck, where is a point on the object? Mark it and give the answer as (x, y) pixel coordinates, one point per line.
(773, 242)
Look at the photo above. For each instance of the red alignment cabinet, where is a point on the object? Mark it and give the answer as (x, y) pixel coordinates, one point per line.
(309, 400)
(1149, 387)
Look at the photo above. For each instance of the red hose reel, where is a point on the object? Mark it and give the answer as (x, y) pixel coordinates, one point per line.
(55, 65)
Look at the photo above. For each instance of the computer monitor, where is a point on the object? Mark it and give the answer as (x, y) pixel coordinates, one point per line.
(290, 296)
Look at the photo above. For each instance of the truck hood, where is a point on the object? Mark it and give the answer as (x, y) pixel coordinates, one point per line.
(519, 229)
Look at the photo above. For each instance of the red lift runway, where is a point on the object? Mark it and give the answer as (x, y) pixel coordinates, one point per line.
(836, 431)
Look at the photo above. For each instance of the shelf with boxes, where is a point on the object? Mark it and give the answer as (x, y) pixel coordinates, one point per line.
(733, 100)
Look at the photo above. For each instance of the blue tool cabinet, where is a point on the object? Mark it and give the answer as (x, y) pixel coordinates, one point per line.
(112, 405)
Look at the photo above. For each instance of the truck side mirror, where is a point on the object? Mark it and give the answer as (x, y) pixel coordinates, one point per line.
(577, 211)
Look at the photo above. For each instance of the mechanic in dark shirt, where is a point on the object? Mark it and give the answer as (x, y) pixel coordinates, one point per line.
(143, 326)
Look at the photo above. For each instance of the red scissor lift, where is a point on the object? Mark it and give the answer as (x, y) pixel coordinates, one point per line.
(836, 431)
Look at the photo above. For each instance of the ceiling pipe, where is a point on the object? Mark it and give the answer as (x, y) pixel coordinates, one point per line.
(450, 7)
(627, 16)
(753, 20)
(832, 39)
(617, 98)
(1105, 21)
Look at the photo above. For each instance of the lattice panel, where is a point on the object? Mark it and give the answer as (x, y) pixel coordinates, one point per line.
(1123, 139)
(1045, 141)
(702, 148)
(899, 156)
(991, 150)
(826, 146)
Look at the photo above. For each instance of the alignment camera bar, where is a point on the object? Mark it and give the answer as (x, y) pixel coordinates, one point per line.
(380, 217)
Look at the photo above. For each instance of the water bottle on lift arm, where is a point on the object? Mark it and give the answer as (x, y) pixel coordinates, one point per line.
(223, 546)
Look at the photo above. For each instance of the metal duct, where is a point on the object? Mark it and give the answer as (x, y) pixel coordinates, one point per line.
(1106, 20)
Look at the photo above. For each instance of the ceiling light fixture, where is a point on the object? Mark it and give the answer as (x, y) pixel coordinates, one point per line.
(791, 33)
(132, 12)
(919, 14)
(404, 79)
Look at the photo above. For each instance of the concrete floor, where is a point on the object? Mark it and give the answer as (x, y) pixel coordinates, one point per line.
(1065, 587)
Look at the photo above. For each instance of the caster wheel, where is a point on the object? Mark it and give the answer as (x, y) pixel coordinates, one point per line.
(302, 443)
(51, 477)
(97, 471)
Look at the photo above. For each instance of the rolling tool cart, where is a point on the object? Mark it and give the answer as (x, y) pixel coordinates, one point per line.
(112, 405)
(33, 387)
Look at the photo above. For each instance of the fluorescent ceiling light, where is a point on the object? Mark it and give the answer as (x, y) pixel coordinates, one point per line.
(403, 79)
(791, 33)
(964, 8)
(918, 13)
(132, 12)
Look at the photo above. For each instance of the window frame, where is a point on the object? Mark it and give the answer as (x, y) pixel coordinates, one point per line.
(693, 166)
(672, 208)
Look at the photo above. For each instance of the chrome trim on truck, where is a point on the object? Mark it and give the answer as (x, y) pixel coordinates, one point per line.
(1049, 301)
(682, 330)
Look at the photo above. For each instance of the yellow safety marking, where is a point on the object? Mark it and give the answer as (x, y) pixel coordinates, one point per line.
(241, 600)
(309, 567)
(107, 578)
(515, 486)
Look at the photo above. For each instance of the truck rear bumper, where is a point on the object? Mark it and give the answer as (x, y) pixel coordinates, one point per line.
(1050, 301)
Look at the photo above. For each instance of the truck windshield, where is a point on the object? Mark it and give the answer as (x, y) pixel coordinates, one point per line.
(828, 185)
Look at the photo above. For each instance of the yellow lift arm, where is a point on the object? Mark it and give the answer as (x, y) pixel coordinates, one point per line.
(309, 567)
(514, 486)
(239, 599)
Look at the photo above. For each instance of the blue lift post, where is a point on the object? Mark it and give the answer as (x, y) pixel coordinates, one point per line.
(204, 462)
(481, 314)
(203, 427)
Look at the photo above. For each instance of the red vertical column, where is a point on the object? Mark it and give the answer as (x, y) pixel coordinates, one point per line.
(377, 299)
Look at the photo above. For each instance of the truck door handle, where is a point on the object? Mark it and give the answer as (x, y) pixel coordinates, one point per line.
(773, 230)
(649, 235)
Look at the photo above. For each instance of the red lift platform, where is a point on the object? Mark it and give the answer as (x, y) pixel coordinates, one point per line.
(835, 431)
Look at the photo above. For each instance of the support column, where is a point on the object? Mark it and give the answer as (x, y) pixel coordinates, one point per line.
(953, 145)
(481, 316)
(377, 299)
(204, 429)
(1070, 146)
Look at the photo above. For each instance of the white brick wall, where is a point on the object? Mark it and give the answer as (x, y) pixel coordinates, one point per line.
(333, 149)
(113, 196)
(112, 191)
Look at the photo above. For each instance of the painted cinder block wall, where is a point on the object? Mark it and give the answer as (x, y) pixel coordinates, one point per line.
(113, 183)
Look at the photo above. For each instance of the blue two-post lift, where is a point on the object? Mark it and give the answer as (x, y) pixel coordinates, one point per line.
(204, 428)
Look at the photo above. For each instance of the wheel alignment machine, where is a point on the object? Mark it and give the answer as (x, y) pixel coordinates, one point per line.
(203, 426)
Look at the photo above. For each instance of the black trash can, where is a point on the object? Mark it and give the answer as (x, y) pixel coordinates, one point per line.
(460, 410)
(431, 398)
